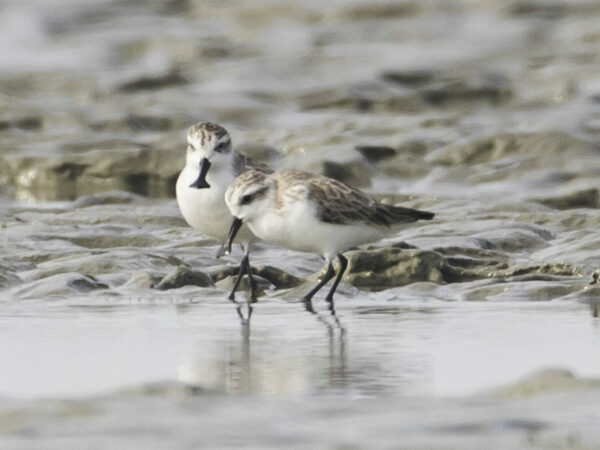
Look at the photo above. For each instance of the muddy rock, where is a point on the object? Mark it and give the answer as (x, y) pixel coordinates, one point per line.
(452, 88)
(21, 123)
(376, 269)
(513, 240)
(535, 8)
(106, 198)
(227, 283)
(183, 276)
(112, 266)
(362, 97)
(408, 161)
(85, 284)
(135, 124)
(142, 279)
(549, 146)
(57, 286)
(149, 172)
(415, 147)
(7, 275)
(549, 381)
(219, 273)
(139, 123)
(411, 78)
(391, 267)
(277, 277)
(381, 10)
(538, 272)
(375, 153)
(491, 90)
(538, 287)
(103, 241)
(587, 198)
(153, 82)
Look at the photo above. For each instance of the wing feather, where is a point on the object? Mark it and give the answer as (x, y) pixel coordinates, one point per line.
(341, 204)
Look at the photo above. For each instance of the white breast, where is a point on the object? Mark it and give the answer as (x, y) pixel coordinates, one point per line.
(205, 209)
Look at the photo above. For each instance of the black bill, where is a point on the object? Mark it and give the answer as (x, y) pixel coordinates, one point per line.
(226, 246)
(201, 183)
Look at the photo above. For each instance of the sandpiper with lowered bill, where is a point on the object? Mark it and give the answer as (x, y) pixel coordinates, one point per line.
(311, 213)
(211, 165)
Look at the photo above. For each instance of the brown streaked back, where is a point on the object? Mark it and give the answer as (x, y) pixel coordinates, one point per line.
(338, 203)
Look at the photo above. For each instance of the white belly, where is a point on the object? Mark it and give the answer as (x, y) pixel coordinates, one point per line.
(298, 228)
(205, 209)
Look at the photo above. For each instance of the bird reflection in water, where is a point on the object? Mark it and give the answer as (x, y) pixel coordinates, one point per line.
(245, 319)
(308, 306)
(243, 375)
(594, 285)
(595, 309)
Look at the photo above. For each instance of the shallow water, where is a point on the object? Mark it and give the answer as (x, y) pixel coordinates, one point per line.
(393, 348)
(402, 368)
(487, 114)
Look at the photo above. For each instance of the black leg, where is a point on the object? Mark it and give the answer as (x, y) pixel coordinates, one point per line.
(307, 299)
(343, 266)
(253, 285)
(328, 276)
(308, 305)
(243, 264)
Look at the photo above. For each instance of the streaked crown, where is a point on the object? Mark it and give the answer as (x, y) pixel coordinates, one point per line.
(209, 136)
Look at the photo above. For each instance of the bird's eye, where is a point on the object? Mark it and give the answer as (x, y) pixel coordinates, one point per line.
(190, 148)
(221, 147)
(246, 199)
